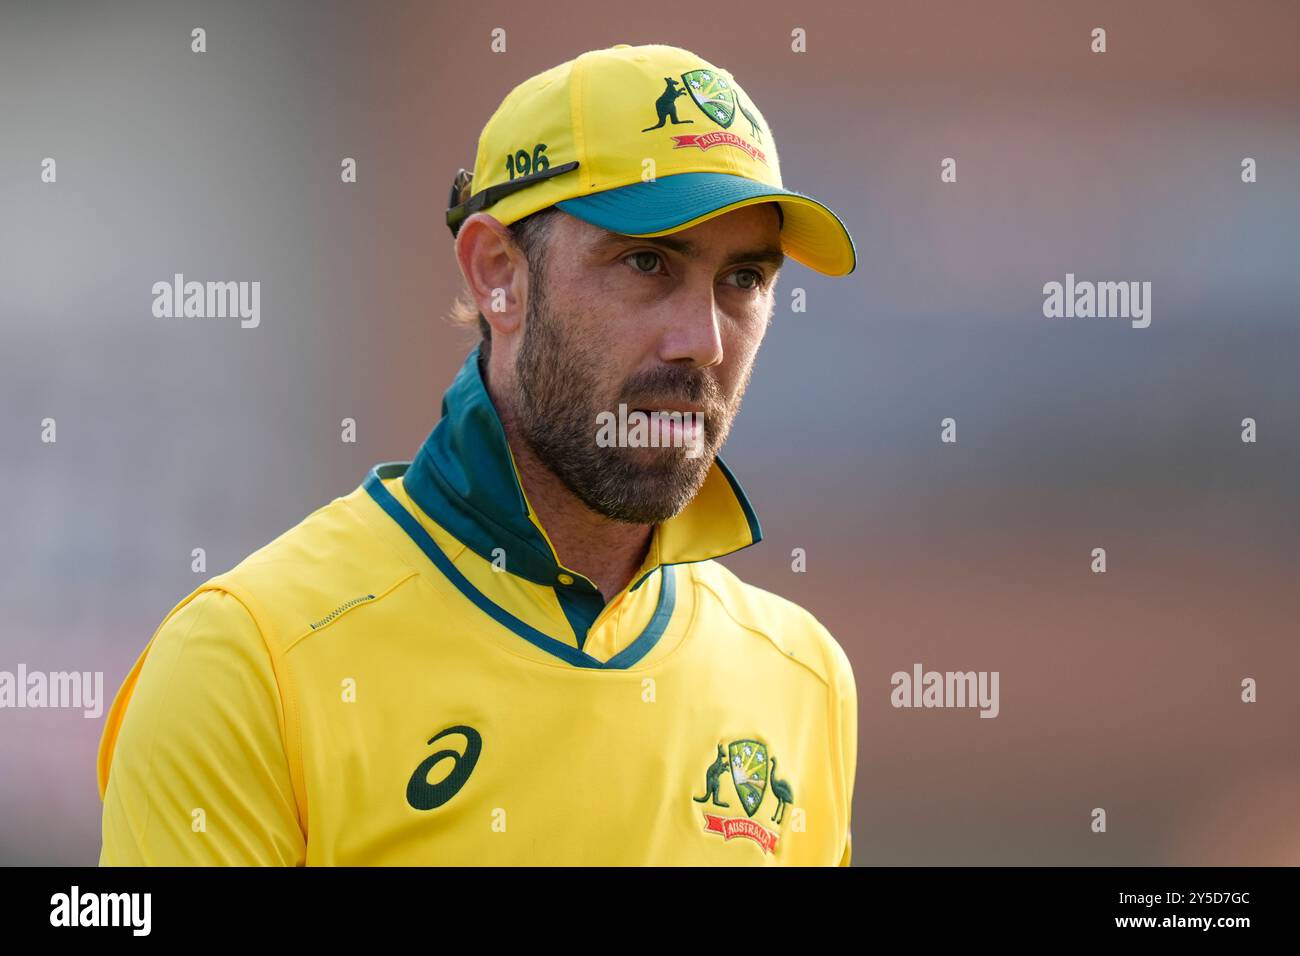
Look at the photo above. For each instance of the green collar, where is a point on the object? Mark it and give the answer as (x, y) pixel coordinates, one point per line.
(464, 478)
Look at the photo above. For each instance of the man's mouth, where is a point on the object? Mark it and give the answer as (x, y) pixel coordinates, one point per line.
(663, 410)
(677, 424)
(672, 405)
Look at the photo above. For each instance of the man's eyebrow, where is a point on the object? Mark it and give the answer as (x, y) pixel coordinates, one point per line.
(684, 247)
(772, 255)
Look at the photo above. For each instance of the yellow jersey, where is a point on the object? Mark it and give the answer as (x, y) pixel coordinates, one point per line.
(410, 677)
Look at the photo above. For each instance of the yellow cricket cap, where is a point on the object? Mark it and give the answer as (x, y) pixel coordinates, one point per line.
(642, 141)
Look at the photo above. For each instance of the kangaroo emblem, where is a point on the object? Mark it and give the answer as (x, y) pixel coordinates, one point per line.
(779, 787)
(711, 778)
(666, 106)
(752, 769)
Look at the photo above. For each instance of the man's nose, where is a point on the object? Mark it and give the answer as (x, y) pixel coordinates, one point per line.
(694, 334)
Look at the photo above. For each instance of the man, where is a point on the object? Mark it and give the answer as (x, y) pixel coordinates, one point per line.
(517, 649)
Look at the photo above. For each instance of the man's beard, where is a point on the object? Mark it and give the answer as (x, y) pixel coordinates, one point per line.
(556, 414)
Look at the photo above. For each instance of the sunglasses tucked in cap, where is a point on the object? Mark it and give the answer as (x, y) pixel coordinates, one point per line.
(643, 141)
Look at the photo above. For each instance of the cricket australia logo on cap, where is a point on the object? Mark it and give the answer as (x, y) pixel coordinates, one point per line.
(712, 94)
(753, 774)
(717, 100)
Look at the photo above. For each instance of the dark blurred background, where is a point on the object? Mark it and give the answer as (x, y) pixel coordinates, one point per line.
(1119, 690)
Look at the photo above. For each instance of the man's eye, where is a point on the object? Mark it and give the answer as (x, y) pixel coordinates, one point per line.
(644, 261)
(753, 279)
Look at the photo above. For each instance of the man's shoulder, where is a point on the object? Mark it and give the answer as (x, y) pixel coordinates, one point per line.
(788, 626)
(331, 561)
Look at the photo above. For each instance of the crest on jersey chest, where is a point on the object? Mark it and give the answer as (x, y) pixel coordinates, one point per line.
(751, 769)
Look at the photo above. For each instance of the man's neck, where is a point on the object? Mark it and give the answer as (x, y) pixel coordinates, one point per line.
(607, 552)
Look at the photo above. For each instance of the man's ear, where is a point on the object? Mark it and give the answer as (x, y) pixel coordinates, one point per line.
(495, 271)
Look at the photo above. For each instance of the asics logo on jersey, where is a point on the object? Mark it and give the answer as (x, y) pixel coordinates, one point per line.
(423, 795)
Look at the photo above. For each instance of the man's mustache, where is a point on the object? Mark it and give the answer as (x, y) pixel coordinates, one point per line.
(693, 386)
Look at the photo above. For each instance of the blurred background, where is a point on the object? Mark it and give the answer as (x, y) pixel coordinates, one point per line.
(1118, 690)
